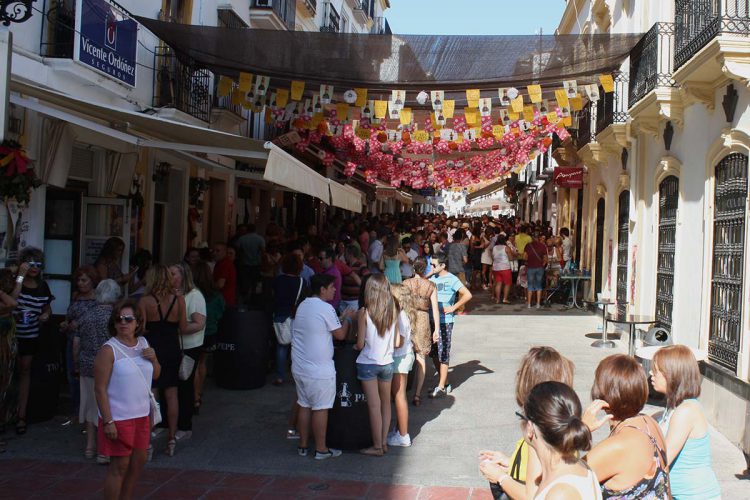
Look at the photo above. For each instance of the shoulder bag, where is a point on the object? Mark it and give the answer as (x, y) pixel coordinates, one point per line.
(514, 472)
(283, 330)
(155, 408)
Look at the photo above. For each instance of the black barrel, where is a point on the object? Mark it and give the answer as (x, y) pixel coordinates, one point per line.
(241, 356)
(46, 375)
(348, 420)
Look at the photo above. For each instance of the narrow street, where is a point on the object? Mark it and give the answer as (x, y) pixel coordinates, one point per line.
(238, 448)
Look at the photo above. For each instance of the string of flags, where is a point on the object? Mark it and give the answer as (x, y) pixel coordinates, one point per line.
(489, 137)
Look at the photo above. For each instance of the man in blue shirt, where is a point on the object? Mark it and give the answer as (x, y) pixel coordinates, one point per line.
(452, 294)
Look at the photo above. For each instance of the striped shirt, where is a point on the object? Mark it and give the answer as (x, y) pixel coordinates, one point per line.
(31, 301)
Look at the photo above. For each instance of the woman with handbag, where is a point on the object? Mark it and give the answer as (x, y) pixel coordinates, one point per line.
(123, 370)
(163, 311)
(288, 289)
(523, 469)
(191, 343)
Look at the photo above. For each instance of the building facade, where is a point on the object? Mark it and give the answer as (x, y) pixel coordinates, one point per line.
(665, 197)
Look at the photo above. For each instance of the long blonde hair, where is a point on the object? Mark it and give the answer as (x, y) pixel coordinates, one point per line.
(379, 303)
(157, 281)
(405, 302)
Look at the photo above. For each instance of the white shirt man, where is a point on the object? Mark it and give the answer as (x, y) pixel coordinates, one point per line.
(374, 255)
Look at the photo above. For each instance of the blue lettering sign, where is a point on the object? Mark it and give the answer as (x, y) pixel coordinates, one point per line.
(107, 40)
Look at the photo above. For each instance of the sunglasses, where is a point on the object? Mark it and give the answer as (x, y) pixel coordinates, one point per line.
(125, 318)
(37, 265)
(522, 417)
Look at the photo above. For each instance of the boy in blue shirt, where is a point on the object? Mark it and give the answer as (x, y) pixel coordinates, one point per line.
(452, 294)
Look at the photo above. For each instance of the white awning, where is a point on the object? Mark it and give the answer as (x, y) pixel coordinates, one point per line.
(286, 170)
(346, 197)
(135, 128)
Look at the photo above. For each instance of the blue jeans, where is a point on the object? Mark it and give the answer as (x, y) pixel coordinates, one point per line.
(535, 277)
(282, 360)
(367, 372)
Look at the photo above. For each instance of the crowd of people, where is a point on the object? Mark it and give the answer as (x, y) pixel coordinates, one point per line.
(393, 287)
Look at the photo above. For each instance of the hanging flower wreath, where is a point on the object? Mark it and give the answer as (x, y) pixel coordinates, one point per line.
(17, 176)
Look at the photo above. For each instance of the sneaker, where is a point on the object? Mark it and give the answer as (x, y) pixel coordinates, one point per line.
(448, 389)
(528, 306)
(331, 453)
(183, 435)
(102, 459)
(538, 306)
(437, 392)
(157, 431)
(396, 439)
(292, 434)
(302, 452)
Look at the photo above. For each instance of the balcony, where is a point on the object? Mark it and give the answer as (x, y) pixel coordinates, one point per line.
(697, 22)
(331, 19)
(273, 14)
(612, 107)
(380, 26)
(181, 87)
(361, 11)
(653, 94)
(59, 30)
(311, 6)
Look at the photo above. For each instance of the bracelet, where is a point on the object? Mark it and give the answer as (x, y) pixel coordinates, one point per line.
(110, 422)
(501, 479)
(19, 279)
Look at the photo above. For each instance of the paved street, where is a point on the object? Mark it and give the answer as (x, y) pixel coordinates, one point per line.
(240, 450)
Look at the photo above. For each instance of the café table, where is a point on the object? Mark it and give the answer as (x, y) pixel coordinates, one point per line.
(632, 320)
(575, 279)
(603, 342)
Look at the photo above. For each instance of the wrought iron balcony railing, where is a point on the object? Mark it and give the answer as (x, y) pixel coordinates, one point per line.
(651, 62)
(58, 30)
(179, 86)
(586, 123)
(225, 102)
(697, 22)
(331, 19)
(380, 26)
(284, 9)
(612, 107)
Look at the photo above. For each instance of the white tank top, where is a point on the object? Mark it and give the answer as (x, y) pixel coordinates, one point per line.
(377, 350)
(500, 261)
(587, 486)
(128, 390)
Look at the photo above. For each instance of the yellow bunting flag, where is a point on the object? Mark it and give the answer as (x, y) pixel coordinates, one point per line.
(246, 82)
(405, 116)
(361, 97)
(608, 83)
(553, 118)
(421, 136)
(449, 107)
(342, 111)
(568, 121)
(528, 113)
(225, 86)
(513, 115)
(473, 95)
(535, 93)
(498, 131)
(268, 116)
(562, 98)
(576, 103)
(298, 88)
(381, 108)
(317, 118)
(471, 115)
(282, 98)
(517, 104)
(237, 96)
(363, 133)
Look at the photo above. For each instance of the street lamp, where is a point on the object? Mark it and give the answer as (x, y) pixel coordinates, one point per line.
(15, 11)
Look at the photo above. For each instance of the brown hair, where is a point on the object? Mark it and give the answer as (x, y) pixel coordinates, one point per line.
(379, 302)
(681, 372)
(291, 263)
(117, 309)
(89, 271)
(621, 382)
(554, 408)
(7, 280)
(542, 364)
(157, 281)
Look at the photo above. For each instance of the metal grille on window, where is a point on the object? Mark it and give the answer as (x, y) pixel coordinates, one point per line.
(669, 195)
(623, 231)
(730, 195)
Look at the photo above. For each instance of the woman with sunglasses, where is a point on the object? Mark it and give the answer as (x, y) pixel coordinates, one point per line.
(164, 314)
(123, 371)
(92, 334)
(34, 298)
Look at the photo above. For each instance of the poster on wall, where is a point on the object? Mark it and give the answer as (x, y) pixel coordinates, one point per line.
(106, 40)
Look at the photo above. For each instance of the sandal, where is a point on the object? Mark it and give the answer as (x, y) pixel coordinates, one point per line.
(171, 445)
(197, 406)
(417, 401)
(21, 427)
(372, 451)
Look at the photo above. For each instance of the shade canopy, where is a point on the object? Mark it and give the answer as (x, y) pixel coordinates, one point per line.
(286, 170)
(416, 62)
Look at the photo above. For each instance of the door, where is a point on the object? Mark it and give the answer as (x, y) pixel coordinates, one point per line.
(599, 258)
(101, 219)
(669, 195)
(61, 244)
(623, 233)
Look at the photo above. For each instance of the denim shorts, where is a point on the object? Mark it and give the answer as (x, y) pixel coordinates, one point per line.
(371, 372)
(535, 277)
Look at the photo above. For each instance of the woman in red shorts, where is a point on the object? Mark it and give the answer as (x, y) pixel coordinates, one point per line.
(501, 257)
(123, 371)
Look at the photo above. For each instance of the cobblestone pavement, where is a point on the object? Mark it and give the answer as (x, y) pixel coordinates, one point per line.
(239, 449)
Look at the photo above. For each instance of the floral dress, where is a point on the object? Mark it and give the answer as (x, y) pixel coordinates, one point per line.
(421, 290)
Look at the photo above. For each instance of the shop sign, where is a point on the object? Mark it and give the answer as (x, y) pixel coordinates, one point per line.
(384, 193)
(106, 40)
(568, 177)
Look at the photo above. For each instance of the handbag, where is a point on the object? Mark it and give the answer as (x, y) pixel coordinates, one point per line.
(186, 364)
(283, 330)
(155, 408)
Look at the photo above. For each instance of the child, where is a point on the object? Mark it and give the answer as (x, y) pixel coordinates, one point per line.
(403, 359)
